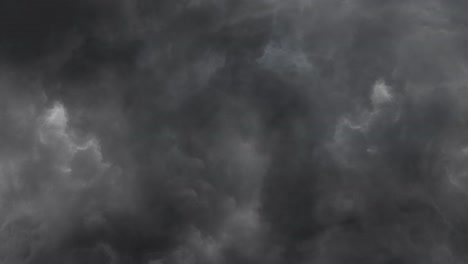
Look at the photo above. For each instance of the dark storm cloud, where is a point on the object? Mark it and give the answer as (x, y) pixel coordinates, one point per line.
(162, 132)
(30, 29)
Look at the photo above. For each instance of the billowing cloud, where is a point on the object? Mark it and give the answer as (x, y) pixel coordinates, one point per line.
(174, 132)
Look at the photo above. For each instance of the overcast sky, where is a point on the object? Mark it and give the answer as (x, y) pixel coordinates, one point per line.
(233, 132)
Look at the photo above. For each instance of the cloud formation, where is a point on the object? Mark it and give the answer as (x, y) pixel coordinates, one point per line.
(199, 131)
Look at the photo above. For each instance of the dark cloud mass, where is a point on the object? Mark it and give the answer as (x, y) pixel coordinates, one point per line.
(233, 132)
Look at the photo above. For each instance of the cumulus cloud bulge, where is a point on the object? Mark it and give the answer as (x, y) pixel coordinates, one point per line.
(233, 132)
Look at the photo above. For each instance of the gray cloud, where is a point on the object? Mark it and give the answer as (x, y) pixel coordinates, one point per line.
(171, 132)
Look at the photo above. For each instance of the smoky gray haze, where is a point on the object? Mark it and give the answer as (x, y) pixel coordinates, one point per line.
(233, 132)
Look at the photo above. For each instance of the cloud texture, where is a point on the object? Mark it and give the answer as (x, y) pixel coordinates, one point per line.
(233, 132)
